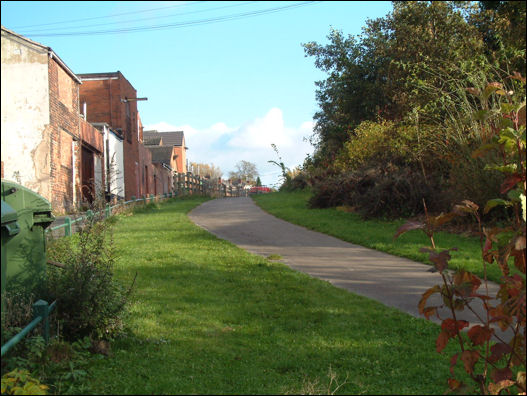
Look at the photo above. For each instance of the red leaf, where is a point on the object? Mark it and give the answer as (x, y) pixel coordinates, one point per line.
(510, 182)
(429, 311)
(499, 375)
(451, 326)
(441, 259)
(498, 350)
(469, 359)
(466, 283)
(425, 296)
(479, 334)
(453, 361)
(441, 341)
(411, 225)
(442, 219)
(453, 383)
(466, 206)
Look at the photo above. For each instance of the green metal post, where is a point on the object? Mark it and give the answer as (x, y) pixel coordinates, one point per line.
(108, 210)
(67, 229)
(41, 308)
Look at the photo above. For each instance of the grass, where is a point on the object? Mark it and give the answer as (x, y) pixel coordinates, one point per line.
(375, 234)
(210, 318)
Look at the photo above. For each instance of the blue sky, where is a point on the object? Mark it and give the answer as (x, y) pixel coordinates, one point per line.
(232, 75)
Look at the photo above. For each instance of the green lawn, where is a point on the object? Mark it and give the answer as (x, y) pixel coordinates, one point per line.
(210, 318)
(375, 234)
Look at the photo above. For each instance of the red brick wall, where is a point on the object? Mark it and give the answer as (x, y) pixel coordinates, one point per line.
(91, 135)
(63, 129)
(103, 98)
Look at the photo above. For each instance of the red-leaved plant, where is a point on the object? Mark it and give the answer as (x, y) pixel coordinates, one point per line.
(496, 364)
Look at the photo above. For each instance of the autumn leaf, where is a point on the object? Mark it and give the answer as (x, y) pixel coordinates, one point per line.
(441, 259)
(442, 341)
(498, 350)
(451, 326)
(411, 225)
(495, 389)
(479, 334)
(499, 375)
(469, 359)
(425, 296)
(510, 182)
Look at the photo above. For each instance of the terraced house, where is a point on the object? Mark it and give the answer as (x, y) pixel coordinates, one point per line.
(47, 145)
(74, 137)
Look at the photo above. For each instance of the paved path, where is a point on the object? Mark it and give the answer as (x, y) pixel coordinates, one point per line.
(394, 281)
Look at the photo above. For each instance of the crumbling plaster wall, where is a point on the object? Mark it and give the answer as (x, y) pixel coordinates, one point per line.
(25, 114)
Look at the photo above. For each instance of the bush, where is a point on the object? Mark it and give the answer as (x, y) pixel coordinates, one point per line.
(90, 302)
(392, 192)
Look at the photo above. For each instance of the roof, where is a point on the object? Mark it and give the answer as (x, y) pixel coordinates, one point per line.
(152, 141)
(161, 154)
(169, 138)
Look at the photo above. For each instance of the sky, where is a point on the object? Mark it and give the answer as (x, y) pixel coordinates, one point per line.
(232, 75)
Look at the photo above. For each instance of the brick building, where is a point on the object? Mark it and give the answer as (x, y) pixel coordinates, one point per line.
(110, 98)
(175, 139)
(46, 145)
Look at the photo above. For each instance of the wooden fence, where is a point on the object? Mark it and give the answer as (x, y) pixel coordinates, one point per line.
(188, 183)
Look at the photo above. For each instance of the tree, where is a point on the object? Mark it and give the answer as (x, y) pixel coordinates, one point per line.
(245, 171)
(258, 182)
(206, 170)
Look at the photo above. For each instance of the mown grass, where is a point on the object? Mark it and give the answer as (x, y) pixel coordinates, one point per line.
(210, 318)
(375, 234)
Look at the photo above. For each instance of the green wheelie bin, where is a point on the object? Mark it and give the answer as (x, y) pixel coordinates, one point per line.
(24, 264)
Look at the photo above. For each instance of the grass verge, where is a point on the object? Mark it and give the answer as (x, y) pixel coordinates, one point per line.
(210, 318)
(375, 234)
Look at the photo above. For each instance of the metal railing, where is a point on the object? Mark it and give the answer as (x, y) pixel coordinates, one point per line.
(41, 311)
(107, 212)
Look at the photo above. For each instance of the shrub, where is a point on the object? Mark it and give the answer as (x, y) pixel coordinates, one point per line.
(20, 382)
(90, 302)
(392, 192)
(495, 363)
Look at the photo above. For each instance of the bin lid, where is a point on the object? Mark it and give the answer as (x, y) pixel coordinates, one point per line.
(9, 219)
(22, 199)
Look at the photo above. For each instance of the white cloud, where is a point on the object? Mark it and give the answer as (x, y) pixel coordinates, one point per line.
(225, 146)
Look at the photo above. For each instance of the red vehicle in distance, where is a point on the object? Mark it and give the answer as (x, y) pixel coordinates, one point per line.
(259, 190)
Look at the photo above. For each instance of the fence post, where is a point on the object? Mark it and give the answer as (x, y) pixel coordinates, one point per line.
(67, 229)
(108, 210)
(41, 308)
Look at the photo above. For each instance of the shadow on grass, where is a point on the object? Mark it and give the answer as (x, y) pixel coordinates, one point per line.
(208, 317)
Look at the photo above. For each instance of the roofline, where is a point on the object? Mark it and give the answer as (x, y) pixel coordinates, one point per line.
(52, 54)
(100, 76)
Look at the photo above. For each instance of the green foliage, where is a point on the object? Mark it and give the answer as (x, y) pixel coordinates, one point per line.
(17, 313)
(245, 171)
(416, 90)
(90, 301)
(493, 363)
(20, 382)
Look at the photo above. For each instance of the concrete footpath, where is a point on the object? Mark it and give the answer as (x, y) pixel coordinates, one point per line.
(394, 281)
